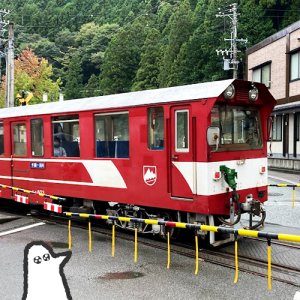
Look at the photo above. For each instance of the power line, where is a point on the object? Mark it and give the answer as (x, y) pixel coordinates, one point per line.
(232, 62)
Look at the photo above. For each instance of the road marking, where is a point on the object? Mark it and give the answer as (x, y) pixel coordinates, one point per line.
(21, 228)
(282, 179)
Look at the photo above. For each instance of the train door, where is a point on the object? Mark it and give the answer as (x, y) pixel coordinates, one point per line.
(285, 150)
(18, 148)
(182, 158)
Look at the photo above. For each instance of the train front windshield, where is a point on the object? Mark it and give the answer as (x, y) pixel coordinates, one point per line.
(239, 127)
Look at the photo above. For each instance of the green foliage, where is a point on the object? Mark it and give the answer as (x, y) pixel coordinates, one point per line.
(147, 74)
(103, 47)
(74, 86)
(179, 28)
(122, 57)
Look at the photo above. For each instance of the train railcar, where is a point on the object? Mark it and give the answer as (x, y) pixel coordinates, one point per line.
(194, 153)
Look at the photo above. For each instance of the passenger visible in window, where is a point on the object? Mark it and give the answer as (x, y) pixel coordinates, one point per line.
(58, 150)
(59, 133)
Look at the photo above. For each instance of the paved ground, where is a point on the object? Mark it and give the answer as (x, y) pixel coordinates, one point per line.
(97, 275)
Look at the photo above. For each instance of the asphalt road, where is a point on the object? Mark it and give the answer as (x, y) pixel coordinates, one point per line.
(97, 275)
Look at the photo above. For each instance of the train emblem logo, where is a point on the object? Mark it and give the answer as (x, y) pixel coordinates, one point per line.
(150, 174)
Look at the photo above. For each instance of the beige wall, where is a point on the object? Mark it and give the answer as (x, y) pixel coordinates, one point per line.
(274, 52)
(294, 43)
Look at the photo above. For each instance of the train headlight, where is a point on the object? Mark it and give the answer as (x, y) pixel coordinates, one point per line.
(253, 93)
(229, 92)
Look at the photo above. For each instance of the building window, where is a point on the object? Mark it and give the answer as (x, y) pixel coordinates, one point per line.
(276, 133)
(112, 135)
(37, 137)
(295, 66)
(66, 138)
(1, 139)
(262, 74)
(156, 128)
(20, 144)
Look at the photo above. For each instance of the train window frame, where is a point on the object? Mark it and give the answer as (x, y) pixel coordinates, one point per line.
(295, 66)
(1, 138)
(34, 145)
(276, 132)
(259, 73)
(182, 149)
(66, 136)
(156, 128)
(23, 149)
(107, 144)
(244, 133)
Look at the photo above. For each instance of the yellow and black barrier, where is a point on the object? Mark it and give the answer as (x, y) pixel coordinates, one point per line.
(196, 227)
(3, 186)
(293, 186)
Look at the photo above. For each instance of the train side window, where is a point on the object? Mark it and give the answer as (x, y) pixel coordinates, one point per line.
(37, 137)
(1, 139)
(66, 136)
(182, 130)
(112, 135)
(156, 128)
(20, 143)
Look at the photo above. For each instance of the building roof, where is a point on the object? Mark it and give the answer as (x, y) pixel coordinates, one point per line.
(287, 108)
(155, 96)
(276, 36)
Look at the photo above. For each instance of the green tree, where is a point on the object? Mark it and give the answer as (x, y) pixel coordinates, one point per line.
(179, 29)
(92, 88)
(74, 87)
(122, 57)
(147, 74)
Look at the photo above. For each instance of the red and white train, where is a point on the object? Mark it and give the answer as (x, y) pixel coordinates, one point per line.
(150, 154)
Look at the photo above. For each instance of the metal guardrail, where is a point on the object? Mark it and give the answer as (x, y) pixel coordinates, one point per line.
(196, 227)
(4, 186)
(294, 186)
(169, 224)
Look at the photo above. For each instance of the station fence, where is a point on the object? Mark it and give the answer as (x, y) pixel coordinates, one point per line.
(294, 186)
(197, 228)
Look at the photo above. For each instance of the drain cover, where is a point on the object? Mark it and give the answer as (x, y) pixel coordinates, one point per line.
(121, 275)
(275, 194)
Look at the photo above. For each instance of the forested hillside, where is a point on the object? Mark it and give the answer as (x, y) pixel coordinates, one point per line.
(101, 47)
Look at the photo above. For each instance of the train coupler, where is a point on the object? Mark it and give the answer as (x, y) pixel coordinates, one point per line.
(253, 208)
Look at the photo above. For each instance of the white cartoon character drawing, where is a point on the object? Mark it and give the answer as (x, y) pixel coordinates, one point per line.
(43, 273)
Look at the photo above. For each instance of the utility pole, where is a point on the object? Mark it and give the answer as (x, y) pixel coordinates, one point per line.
(230, 58)
(10, 61)
(3, 24)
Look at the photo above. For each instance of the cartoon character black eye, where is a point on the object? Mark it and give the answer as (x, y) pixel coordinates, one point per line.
(46, 257)
(37, 260)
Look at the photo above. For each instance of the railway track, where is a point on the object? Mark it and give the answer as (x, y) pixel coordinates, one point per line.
(224, 256)
(284, 272)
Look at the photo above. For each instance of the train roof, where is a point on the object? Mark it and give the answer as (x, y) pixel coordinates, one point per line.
(155, 96)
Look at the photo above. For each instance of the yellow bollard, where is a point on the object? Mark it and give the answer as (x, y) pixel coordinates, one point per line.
(69, 235)
(293, 197)
(135, 244)
(197, 253)
(90, 237)
(113, 241)
(269, 266)
(169, 249)
(236, 277)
